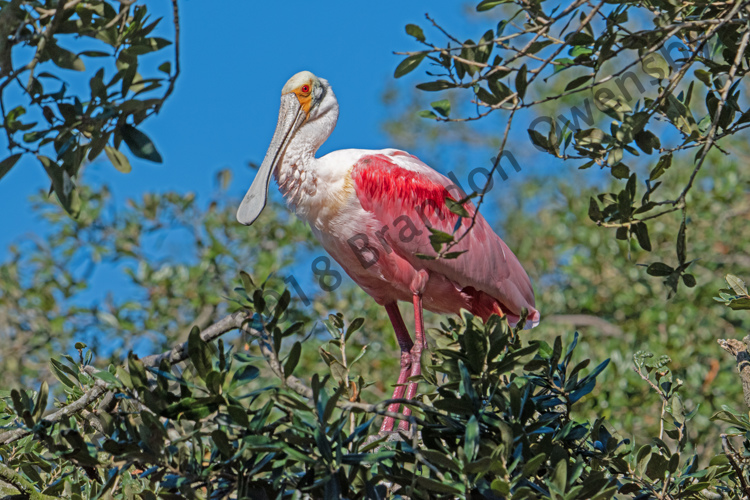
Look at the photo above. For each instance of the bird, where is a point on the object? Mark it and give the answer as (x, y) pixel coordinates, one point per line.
(374, 211)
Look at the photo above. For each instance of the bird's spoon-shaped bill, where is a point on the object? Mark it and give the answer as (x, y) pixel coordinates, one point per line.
(291, 116)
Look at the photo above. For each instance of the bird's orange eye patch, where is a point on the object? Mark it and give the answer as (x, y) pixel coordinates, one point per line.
(304, 96)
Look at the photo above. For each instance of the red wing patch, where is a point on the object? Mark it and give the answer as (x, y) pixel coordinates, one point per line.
(381, 182)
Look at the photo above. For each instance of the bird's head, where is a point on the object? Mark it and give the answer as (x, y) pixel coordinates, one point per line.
(305, 98)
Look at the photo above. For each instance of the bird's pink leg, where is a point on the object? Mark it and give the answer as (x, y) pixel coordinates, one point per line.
(404, 341)
(416, 355)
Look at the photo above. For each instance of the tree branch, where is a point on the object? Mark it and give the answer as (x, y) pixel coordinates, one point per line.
(180, 352)
(24, 485)
(79, 404)
(730, 454)
(738, 349)
(603, 325)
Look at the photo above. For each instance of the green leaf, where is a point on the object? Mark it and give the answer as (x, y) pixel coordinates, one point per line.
(63, 185)
(94, 53)
(426, 113)
(408, 65)
(657, 467)
(736, 284)
(589, 136)
(292, 359)
(139, 143)
(521, 82)
(40, 404)
(456, 207)
(484, 96)
(538, 139)
(689, 280)
(471, 438)
(238, 415)
(537, 46)
(221, 441)
(531, 466)
(502, 487)
(489, 4)
(137, 371)
(435, 486)
(620, 171)
(498, 89)
(415, 31)
(453, 255)
(595, 214)
(659, 269)
(560, 475)
(661, 166)
(424, 256)
(641, 232)
(199, 353)
(8, 163)
(438, 238)
(436, 86)
(118, 160)
(704, 76)
(655, 65)
(156, 43)
(247, 282)
(193, 408)
(245, 373)
(577, 82)
(106, 376)
(282, 304)
(443, 107)
(355, 325)
(441, 460)
(647, 141)
(485, 46)
(35, 135)
(58, 369)
(64, 58)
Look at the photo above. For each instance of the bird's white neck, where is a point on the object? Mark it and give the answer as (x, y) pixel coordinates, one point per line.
(296, 171)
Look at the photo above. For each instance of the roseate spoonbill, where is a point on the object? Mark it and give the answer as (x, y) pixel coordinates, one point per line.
(371, 211)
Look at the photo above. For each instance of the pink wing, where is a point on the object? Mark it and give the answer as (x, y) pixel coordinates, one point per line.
(404, 193)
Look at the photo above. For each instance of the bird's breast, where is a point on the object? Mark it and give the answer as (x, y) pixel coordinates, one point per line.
(323, 200)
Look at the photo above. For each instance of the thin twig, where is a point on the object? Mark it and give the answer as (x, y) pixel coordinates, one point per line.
(729, 452)
(23, 485)
(84, 401)
(172, 78)
(738, 349)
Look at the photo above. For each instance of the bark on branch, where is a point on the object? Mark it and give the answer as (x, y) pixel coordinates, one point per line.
(238, 320)
(738, 349)
(24, 486)
(79, 404)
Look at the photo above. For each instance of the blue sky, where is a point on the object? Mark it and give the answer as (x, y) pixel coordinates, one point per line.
(236, 56)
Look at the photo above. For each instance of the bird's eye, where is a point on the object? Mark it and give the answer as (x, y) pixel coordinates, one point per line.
(305, 89)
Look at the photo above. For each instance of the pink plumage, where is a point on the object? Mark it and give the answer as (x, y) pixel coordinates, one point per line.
(404, 193)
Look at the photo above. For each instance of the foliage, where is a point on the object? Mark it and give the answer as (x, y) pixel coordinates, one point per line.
(543, 53)
(64, 124)
(500, 422)
(171, 264)
(736, 295)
